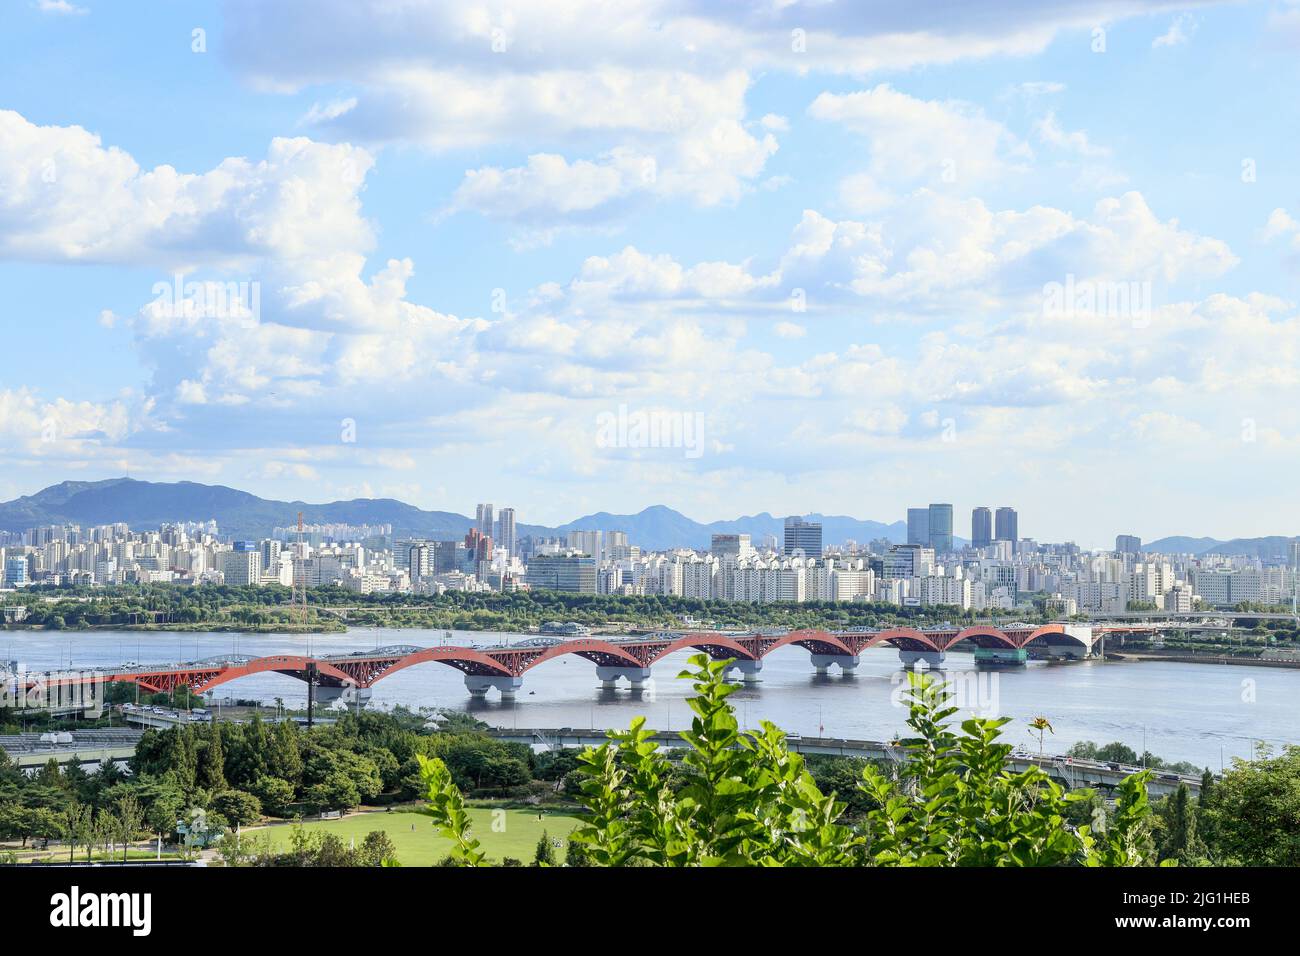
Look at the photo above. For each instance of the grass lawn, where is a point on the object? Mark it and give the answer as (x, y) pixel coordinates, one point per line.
(418, 842)
(56, 855)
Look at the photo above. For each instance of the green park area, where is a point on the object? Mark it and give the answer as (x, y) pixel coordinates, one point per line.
(503, 833)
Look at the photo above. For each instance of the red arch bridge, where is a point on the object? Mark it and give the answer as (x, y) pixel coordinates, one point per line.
(631, 658)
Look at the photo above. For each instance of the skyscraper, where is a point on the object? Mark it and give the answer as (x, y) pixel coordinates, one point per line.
(940, 518)
(804, 536)
(506, 533)
(981, 527)
(484, 520)
(1006, 526)
(563, 572)
(918, 526)
(1128, 544)
(734, 545)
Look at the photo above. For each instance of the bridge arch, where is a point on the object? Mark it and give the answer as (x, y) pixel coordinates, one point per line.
(466, 659)
(812, 640)
(1056, 635)
(905, 639)
(717, 646)
(984, 635)
(291, 665)
(601, 653)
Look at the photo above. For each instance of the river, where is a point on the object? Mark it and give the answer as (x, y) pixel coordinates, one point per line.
(1204, 713)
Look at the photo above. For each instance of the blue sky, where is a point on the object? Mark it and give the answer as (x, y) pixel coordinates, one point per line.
(828, 234)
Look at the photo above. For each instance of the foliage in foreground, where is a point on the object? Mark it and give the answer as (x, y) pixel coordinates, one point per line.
(749, 801)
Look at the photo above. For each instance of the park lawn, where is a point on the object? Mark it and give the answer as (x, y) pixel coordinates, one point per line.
(419, 844)
(57, 855)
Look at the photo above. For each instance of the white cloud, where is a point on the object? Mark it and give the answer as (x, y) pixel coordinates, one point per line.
(1179, 32)
(60, 7)
(645, 78)
(924, 141)
(1050, 131)
(65, 197)
(1282, 225)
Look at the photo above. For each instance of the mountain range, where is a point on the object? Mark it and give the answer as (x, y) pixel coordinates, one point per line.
(145, 505)
(1271, 546)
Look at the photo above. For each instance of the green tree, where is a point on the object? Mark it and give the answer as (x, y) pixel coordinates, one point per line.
(130, 817)
(212, 766)
(274, 793)
(747, 800)
(284, 759)
(238, 807)
(1179, 839)
(544, 855)
(377, 849)
(336, 792)
(1117, 752)
(1254, 812)
(75, 826)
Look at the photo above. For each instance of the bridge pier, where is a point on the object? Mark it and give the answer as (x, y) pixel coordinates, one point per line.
(933, 660)
(847, 663)
(478, 686)
(326, 695)
(748, 670)
(636, 676)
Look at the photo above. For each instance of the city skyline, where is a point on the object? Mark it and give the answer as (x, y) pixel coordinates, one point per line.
(1002, 522)
(803, 261)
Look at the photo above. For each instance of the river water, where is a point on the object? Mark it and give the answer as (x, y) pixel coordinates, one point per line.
(1204, 713)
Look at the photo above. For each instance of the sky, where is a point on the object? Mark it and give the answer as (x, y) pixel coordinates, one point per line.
(729, 257)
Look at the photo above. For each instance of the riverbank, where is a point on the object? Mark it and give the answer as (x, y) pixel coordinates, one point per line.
(1183, 657)
(211, 627)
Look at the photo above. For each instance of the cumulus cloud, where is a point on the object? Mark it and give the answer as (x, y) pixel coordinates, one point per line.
(912, 140)
(1282, 225)
(620, 85)
(66, 197)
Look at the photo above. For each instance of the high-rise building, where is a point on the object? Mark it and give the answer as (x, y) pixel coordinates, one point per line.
(480, 545)
(16, 572)
(803, 536)
(918, 526)
(617, 548)
(483, 520)
(243, 565)
(981, 528)
(1006, 526)
(940, 518)
(908, 561)
(588, 542)
(733, 545)
(562, 572)
(506, 531)
(1128, 544)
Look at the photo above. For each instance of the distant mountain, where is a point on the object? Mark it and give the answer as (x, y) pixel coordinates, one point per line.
(145, 505)
(1272, 546)
(1181, 544)
(659, 528)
